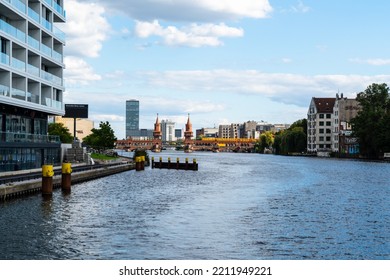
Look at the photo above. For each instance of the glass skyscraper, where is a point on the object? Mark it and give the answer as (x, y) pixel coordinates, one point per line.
(132, 118)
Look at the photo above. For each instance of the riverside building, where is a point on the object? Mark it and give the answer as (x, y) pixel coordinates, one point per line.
(319, 125)
(31, 82)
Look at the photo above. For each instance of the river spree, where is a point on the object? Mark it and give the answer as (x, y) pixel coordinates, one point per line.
(237, 206)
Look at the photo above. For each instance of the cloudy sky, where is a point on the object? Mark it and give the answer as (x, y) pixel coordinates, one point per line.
(222, 61)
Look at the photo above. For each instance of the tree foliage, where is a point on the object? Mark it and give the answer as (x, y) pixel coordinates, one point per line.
(60, 130)
(372, 124)
(265, 142)
(101, 138)
(292, 140)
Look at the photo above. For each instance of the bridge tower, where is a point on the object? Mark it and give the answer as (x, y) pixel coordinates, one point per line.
(188, 134)
(157, 136)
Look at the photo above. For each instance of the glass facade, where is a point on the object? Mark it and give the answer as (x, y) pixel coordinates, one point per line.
(132, 118)
(24, 143)
(12, 159)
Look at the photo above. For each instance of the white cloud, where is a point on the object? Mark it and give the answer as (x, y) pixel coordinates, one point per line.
(300, 8)
(371, 61)
(86, 28)
(78, 71)
(286, 60)
(109, 118)
(189, 10)
(193, 35)
(281, 87)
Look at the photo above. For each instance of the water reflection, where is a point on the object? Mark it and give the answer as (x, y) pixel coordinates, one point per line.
(235, 207)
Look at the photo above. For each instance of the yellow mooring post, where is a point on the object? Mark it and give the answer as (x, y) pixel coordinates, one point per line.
(138, 164)
(66, 177)
(47, 180)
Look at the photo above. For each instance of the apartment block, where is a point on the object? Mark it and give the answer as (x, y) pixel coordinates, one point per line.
(320, 124)
(31, 81)
(168, 131)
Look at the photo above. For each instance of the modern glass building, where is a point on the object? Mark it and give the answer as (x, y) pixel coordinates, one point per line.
(132, 118)
(31, 81)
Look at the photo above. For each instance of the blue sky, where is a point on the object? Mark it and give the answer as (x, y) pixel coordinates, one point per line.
(222, 61)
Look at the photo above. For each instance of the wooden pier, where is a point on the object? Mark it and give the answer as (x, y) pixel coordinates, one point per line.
(175, 165)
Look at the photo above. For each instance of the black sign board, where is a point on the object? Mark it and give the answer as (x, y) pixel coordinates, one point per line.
(76, 111)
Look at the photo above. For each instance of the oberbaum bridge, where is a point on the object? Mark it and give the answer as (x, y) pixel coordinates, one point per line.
(189, 144)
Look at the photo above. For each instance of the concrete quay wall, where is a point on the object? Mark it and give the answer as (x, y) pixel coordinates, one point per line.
(17, 189)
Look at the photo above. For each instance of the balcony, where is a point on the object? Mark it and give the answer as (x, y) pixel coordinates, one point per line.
(13, 31)
(35, 16)
(13, 137)
(4, 90)
(51, 78)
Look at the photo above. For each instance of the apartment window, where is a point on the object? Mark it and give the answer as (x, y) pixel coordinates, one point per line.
(321, 123)
(321, 138)
(328, 138)
(328, 131)
(328, 116)
(321, 130)
(321, 116)
(328, 123)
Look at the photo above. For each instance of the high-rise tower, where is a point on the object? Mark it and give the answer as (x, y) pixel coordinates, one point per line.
(132, 118)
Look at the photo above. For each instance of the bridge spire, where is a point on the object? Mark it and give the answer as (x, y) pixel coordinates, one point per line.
(157, 129)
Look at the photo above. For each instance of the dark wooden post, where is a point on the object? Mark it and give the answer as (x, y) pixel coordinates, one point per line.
(47, 180)
(66, 177)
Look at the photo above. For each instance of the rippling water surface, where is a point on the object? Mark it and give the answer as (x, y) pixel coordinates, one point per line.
(237, 206)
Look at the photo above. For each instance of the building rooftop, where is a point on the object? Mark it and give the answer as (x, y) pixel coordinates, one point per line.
(324, 105)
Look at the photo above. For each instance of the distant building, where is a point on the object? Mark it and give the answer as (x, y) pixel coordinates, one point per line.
(146, 133)
(279, 127)
(132, 118)
(83, 126)
(263, 127)
(178, 133)
(168, 131)
(344, 111)
(249, 129)
(207, 132)
(320, 124)
(235, 130)
(224, 131)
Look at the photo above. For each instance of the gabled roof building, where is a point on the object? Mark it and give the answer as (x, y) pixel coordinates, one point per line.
(319, 125)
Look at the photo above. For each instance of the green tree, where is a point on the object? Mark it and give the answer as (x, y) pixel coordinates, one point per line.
(265, 142)
(60, 130)
(101, 138)
(372, 124)
(292, 140)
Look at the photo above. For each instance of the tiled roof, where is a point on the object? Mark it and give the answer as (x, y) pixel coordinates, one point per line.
(324, 105)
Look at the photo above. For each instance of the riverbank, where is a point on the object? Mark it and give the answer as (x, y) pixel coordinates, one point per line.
(17, 189)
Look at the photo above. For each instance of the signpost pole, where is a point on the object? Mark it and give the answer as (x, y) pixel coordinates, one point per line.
(74, 129)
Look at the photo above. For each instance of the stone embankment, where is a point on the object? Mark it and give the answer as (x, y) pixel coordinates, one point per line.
(17, 189)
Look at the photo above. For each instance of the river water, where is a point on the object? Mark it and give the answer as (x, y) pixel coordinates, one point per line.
(237, 206)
